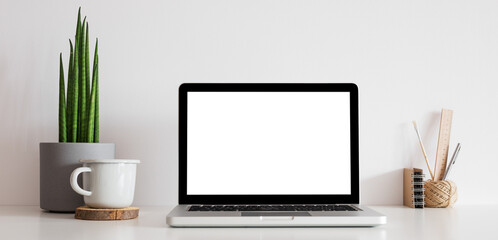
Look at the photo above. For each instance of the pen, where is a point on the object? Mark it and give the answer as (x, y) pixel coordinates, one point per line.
(453, 159)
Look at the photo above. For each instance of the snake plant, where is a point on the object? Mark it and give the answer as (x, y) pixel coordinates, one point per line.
(79, 109)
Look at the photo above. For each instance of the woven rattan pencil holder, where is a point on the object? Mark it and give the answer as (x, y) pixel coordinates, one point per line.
(440, 194)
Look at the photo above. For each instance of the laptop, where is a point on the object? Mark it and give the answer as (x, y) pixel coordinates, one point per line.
(269, 155)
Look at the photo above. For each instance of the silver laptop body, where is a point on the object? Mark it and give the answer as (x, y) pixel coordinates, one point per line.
(269, 155)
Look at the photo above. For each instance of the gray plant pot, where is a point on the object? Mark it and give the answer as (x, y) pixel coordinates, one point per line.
(57, 161)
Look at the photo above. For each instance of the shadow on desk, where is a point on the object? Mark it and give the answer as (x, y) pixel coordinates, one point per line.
(276, 233)
(55, 215)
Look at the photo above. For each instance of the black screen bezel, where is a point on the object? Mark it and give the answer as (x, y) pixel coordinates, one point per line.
(352, 198)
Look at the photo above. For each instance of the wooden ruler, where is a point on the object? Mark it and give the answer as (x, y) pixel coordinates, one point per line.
(443, 143)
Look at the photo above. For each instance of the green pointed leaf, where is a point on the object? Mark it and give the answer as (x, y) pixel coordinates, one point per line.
(93, 102)
(96, 82)
(92, 108)
(69, 101)
(82, 98)
(78, 23)
(95, 85)
(62, 104)
(75, 89)
(87, 62)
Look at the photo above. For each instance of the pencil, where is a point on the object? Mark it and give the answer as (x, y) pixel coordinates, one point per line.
(423, 149)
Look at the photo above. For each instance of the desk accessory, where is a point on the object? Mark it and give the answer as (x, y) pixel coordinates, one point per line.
(438, 191)
(87, 213)
(423, 149)
(413, 187)
(443, 143)
(440, 194)
(78, 126)
(453, 159)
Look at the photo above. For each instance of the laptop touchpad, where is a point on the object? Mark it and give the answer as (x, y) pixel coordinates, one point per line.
(276, 214)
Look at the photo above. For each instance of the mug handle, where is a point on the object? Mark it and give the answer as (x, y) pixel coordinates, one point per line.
(74, 181)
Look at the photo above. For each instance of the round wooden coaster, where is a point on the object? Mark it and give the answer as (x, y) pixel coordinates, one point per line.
(87, 213)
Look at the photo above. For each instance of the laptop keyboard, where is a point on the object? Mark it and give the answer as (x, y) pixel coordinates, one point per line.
(319, 207)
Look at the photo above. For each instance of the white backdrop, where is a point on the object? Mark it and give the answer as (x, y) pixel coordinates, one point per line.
(409, 58)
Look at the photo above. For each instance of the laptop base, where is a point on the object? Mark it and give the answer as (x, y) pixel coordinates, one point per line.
(180, 217)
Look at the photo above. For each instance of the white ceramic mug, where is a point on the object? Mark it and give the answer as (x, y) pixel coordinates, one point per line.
(110, 183)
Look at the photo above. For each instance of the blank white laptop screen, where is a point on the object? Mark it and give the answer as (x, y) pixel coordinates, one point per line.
(268, 143)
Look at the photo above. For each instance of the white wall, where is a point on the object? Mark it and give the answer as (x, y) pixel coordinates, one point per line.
(410, 59)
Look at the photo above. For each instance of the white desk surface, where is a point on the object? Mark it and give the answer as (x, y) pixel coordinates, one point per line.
(460, 222)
